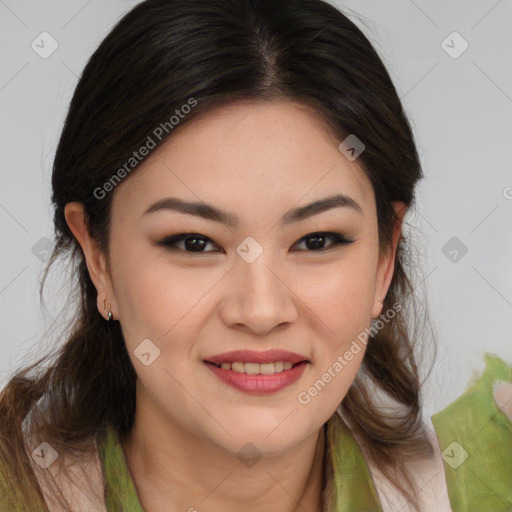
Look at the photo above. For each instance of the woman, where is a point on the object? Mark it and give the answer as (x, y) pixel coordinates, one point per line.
(231, 184)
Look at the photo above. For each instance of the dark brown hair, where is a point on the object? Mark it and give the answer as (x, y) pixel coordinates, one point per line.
(157, 57)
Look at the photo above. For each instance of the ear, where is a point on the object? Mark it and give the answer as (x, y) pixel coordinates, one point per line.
(94, 257)
(386, 265)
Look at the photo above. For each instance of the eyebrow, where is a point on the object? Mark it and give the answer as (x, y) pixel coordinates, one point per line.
(209, 212)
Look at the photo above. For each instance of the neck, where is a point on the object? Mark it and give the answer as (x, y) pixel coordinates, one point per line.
(173, 469)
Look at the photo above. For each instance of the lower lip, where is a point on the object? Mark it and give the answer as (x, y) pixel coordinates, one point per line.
(259, 384)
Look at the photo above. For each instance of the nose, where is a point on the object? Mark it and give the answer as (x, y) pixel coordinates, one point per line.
(260, 298)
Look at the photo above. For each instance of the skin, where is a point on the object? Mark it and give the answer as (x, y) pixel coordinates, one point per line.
(256, 160)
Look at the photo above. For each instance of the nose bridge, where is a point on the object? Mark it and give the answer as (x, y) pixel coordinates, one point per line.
(263, 300)
(258, 277)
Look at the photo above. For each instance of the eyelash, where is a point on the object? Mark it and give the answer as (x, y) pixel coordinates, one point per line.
(170, 241)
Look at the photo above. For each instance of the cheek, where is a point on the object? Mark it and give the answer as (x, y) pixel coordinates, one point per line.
(339, 294)
(343, 305)
(156, 303)
(340, 300)
(152, 293)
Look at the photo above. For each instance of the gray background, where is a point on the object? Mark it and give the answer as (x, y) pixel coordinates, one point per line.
(460, 107)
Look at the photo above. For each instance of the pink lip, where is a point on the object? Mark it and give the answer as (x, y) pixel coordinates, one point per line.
(251, 356)
(259, 384)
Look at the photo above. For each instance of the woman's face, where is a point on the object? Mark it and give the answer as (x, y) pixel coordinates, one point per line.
(257, 283)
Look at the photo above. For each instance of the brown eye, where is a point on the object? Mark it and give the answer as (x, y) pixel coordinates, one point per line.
(195, 243)
(192, 242)
(315, 242)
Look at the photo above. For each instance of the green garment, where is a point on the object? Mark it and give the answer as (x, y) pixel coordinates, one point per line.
(483, 481)
(480, 482)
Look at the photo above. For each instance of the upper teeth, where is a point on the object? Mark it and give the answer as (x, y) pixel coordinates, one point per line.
(255, 368)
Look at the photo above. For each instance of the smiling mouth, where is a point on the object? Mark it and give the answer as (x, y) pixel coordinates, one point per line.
(256, 368)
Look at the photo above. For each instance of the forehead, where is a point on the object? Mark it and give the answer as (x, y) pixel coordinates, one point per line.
(250, 157)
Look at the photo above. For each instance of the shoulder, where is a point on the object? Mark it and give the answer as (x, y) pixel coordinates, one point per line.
(78, 477)
(475, 437)
(51, 475)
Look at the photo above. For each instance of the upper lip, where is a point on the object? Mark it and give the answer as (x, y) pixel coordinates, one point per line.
(251, 356)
